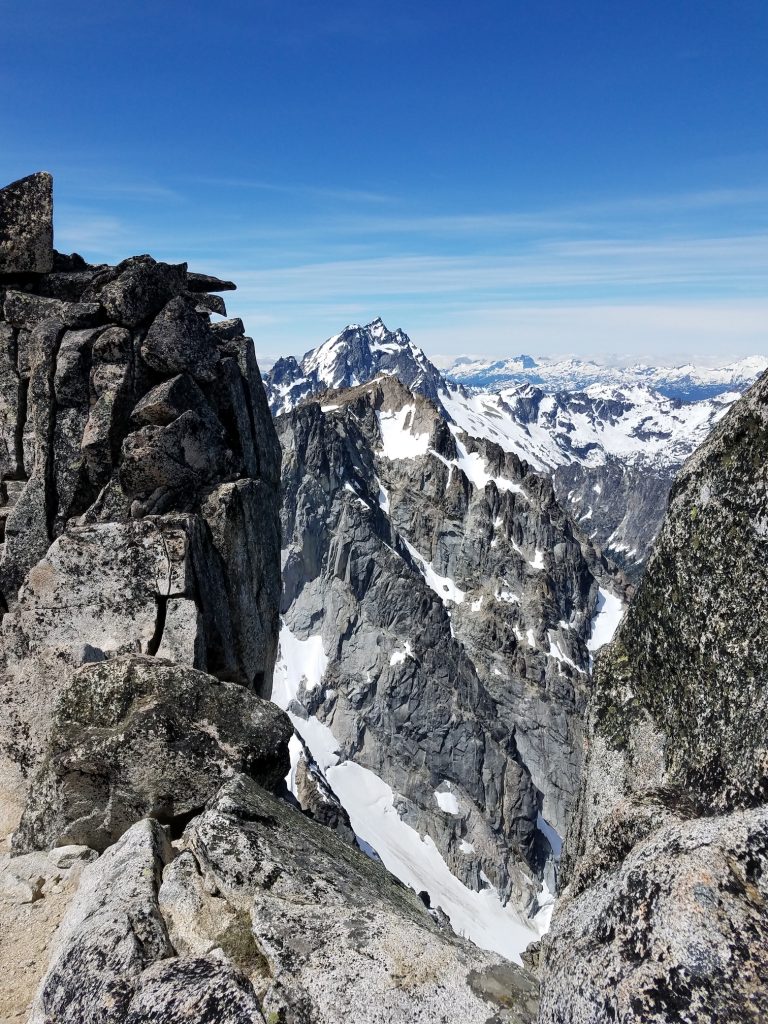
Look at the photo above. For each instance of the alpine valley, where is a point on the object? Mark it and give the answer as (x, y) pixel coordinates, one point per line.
(430, 696)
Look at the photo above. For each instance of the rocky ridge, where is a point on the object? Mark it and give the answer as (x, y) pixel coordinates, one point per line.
(439, 611)
(153, 875)
(663, 916)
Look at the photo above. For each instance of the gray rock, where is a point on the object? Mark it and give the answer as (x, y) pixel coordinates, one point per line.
(323, 932)
(178, 341)
(663, 917)
(26, 225)
(138, 288)
(111, 933)
(65, 856)
(421, 689)
(140, 737)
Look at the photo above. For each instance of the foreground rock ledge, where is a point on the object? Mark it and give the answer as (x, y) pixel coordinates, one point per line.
(263, 914)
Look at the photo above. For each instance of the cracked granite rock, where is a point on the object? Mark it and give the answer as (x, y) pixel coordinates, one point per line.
(139, 476)
(261, 913)
(136, 737)
(663, 917)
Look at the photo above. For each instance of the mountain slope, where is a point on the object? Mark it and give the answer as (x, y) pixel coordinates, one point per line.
(439, 612)
(612, 449)
(663, 918)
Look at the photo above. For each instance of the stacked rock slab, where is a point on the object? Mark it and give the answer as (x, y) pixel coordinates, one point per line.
(664, 915)
(139, 476)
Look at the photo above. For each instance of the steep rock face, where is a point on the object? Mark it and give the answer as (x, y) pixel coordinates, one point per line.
(664, 915)
(139, 471)
(437, 609)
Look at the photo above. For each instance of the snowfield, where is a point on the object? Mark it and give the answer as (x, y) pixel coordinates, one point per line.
(370, 804)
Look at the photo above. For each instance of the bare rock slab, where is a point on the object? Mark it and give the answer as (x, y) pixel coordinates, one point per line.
(26, 225)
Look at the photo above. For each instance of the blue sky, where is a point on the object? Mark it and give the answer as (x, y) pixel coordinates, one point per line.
(552, 177)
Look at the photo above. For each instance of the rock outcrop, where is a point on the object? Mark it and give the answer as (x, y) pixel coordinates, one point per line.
(139, 475)
(136, 737)
(26, 225)
(664, 915)
(140, 584)
(262, 913)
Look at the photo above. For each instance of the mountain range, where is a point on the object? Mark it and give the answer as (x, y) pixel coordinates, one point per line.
(610, 442)
(686, 383)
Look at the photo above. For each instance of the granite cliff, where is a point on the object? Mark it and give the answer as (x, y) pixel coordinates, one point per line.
(663, 917)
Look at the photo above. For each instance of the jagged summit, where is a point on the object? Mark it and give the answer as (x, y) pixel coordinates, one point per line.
(353, 356)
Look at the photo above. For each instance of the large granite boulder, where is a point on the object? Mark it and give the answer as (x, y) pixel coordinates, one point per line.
(137, 737)
(663, 918)
(26, 225)
(112, 961)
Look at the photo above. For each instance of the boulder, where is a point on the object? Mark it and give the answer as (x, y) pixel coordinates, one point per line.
(26, 225)
(138, 288)
(134, 737)
(178, 341)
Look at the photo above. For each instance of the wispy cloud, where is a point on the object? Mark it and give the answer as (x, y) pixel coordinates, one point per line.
(346, 195)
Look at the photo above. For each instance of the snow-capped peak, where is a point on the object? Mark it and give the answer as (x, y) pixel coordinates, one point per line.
(355, 355)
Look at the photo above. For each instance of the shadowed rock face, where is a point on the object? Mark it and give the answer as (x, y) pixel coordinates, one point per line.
(663, 918)
(469, 678)
(26, 225)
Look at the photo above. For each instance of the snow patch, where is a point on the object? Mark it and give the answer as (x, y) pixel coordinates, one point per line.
(608, 614)
(397, 441)
(447, 801)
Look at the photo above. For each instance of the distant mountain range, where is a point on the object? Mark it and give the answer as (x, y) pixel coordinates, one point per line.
(684, 383)
(612, 439)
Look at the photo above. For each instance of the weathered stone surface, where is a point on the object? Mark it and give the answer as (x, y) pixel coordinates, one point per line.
(26, 225)
(138, 288)
(206, 283)
(92, 441)
(179, 341)
(663, 918)
(323, 933)
(140, 737)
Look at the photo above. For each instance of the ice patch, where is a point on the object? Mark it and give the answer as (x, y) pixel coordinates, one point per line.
(466, 847)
